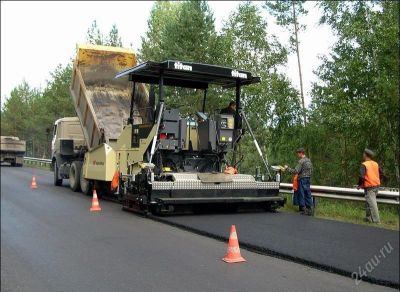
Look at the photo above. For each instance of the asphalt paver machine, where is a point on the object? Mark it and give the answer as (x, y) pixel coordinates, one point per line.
(168, 162)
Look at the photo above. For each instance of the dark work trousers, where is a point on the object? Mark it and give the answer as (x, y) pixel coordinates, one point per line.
(305, 198)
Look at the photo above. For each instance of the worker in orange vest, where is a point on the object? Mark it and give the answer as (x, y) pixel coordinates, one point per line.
(370, 174)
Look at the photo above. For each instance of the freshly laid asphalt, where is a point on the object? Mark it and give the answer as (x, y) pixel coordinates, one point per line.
(51, 242)
(330, 245)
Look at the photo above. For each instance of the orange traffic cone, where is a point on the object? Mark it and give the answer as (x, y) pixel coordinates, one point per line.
(33, 183)
(95, 202)
(233, 253)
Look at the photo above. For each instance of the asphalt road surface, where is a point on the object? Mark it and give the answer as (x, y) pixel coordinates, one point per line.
(51, 242)
(331, 245)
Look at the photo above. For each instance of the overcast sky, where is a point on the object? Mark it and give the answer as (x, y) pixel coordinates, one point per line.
(37, 36)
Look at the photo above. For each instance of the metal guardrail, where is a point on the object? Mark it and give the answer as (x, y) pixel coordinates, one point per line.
(384, 196)
(37, 161)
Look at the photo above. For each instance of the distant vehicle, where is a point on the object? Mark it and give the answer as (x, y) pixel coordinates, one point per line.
(12, 150)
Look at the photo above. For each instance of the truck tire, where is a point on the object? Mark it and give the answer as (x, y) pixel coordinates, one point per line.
(86, 185)
(75, 176)
(57, 181)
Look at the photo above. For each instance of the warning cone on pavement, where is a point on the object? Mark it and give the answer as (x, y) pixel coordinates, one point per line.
(233, 253)
(95, 202)
(33, 183)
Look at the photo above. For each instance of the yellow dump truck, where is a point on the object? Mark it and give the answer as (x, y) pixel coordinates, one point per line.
(149, 156)
(12, 150)
(102, 105)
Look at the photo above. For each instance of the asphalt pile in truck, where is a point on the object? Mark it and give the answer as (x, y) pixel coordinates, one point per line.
(109, 97)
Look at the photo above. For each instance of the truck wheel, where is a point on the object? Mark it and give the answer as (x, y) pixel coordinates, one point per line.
(57, 180)
(74, 176)
(86, 185)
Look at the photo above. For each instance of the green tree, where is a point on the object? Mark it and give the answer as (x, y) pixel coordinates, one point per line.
(94, 36)
(56, 99)
(182, 31)
(272, 106)
(29, 112)
(54, 102)
(114, 39)
(19, 113)
(287, 14)
(355, 103)
(161, 13)
(192, 36)
(15, 113)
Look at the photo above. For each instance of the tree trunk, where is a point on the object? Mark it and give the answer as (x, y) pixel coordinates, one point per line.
(298, 62)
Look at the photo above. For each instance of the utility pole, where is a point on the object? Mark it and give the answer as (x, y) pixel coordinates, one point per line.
(298, 62)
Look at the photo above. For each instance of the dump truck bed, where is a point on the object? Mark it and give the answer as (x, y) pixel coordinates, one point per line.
(102, 102)
(12, 145)
(12, 150)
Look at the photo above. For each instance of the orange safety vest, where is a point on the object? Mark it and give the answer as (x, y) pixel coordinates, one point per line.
(371, 178)
(231, 170)
(115, 181)
(295, 183)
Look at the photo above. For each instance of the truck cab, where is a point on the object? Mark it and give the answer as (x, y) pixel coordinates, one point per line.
(68, 146)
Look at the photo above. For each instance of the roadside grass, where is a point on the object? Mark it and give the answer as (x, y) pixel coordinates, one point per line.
(350, 211)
